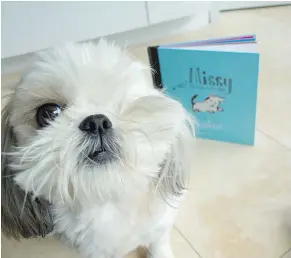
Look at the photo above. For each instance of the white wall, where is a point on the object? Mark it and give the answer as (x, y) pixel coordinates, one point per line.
(33, 26)
(30, 26)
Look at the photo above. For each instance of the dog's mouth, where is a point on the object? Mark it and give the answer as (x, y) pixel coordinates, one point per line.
(101, 150)
(100, 156)
(97, 155)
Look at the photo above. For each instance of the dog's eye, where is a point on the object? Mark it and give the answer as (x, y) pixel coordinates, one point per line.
(47, 112)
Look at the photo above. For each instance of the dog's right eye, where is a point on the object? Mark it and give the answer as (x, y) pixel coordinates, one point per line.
(46, 113)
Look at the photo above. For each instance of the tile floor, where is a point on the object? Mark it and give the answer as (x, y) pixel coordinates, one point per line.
(239, 203)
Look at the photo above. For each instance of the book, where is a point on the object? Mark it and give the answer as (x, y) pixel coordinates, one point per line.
(216, 80)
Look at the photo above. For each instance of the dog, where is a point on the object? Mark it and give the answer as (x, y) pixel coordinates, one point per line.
(210, 104)
(94, 154)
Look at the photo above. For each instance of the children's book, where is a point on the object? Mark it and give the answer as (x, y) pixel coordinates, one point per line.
(216, 80)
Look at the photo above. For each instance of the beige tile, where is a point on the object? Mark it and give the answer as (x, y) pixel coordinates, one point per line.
(181, 248)
(239, 200)
(287, 254)
(274, 96)
(275, 78)
(51, 248)
(35, 248)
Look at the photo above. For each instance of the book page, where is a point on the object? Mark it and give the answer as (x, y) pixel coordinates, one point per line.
(240, 48)
(228, 40)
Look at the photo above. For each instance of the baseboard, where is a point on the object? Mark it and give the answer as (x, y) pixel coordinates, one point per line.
(226, 6)
(15, 65)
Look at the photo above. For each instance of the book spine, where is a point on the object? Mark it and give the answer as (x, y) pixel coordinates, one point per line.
(155, 65)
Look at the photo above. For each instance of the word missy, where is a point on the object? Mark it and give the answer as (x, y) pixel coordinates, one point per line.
(198, 77)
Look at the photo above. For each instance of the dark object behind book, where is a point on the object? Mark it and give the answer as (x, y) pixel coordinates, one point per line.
(155, 64)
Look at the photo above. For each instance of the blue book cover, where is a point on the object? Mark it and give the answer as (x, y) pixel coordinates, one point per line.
(216, 81)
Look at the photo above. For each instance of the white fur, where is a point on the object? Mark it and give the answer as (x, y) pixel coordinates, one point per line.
(102, 210)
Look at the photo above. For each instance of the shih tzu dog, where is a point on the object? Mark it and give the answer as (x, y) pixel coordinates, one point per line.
(93, 153)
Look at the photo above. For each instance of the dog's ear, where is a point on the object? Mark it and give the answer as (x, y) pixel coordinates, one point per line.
(22, 216)
(174, 176)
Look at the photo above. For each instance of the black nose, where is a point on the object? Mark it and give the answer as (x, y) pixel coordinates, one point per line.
(96, 124)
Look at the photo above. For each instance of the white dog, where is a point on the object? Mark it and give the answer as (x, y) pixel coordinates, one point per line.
(101, 157)
(210, 104)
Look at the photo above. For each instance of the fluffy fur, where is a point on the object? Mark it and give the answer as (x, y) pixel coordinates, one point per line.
(50, 185)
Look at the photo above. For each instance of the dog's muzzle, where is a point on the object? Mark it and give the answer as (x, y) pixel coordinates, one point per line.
(102, 147)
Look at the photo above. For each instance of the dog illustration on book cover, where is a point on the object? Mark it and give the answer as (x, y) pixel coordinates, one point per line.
(210, 104)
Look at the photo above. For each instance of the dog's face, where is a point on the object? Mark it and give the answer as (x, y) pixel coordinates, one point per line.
(214, 101)
(88, 126)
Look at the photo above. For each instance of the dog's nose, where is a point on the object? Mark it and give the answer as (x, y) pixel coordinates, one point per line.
(96, 124)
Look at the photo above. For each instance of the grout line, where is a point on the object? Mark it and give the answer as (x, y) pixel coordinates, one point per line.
(274, 140)
(285, 253)
(188, 242)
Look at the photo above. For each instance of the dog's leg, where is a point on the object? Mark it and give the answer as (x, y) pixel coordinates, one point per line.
(161, 248)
